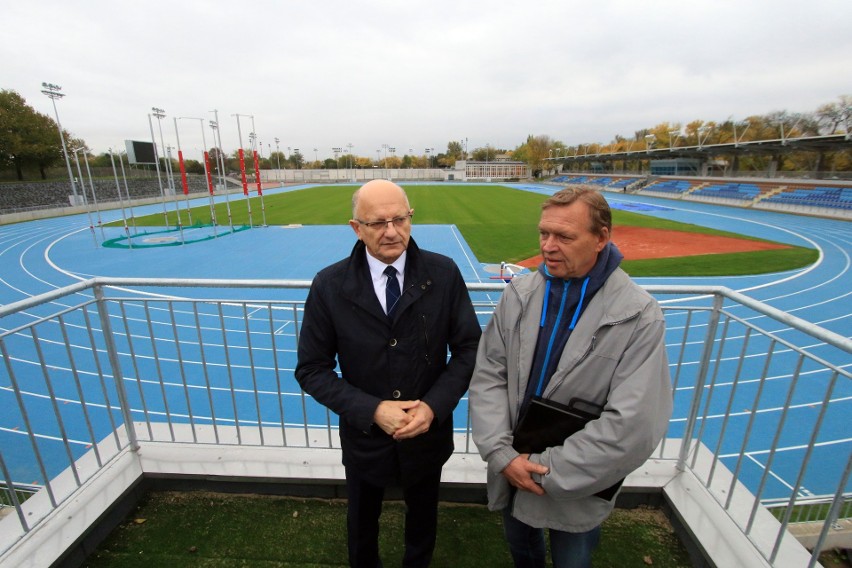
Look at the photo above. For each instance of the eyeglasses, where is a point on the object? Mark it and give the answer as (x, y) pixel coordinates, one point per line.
(398, 222)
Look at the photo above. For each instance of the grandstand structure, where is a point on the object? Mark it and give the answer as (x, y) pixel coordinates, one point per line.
(826, 198)
(709, 155)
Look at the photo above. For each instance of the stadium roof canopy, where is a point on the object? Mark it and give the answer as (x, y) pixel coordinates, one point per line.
(829, 143)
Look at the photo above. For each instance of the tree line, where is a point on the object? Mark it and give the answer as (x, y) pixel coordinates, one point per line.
(29, 142)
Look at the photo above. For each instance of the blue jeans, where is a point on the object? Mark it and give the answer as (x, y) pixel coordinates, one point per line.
(567, 550)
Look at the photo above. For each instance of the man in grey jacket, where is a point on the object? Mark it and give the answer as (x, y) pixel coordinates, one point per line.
(578, 328)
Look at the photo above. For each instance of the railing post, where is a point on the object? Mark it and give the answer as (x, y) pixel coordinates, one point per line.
(833, 513)
(13, 496)
(115, 365)
(700, 380)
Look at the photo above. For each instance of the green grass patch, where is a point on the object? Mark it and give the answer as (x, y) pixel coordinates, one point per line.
(731, 264)
(812, 512)
(219, 530)
(499, 223)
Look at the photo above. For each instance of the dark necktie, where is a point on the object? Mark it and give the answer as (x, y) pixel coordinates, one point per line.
(392, 291)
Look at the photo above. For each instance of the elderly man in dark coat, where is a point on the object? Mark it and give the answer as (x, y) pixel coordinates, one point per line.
(387, 315)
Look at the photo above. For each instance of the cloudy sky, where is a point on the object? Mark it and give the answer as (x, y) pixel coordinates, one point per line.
(415, 75)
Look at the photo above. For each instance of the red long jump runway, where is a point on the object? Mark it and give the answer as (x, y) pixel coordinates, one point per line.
(641, 243)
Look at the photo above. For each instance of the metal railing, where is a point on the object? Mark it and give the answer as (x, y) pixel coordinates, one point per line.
(97, 368)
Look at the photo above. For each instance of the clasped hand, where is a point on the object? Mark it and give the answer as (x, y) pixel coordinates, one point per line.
(403, 419)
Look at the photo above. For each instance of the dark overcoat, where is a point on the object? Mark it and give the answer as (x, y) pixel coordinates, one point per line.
(382, 359)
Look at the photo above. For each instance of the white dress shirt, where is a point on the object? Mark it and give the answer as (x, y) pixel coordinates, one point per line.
(377, 273)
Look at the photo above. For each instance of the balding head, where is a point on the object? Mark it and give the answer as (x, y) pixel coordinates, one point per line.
(377, 191)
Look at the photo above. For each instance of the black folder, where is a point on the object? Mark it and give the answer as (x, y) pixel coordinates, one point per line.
(546, 423)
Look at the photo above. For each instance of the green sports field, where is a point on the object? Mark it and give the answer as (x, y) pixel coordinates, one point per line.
(499, 224)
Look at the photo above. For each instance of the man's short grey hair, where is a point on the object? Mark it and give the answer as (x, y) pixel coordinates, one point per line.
(599, 211)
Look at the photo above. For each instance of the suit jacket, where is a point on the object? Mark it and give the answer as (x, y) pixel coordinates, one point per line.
(380, 359)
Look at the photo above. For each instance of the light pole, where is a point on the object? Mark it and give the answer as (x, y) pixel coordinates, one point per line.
(159, 113)
(649, 143)
(278, 158)
(349, 159)
(214, 126)
(385, 148)
(170, 181)
(673, 135)
(52, 92)
(337, 150)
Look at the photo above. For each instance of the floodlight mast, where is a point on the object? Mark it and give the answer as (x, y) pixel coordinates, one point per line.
(337, 151)
(52, 92)
(278, 158)
(158, 113)
(673, 136)
(220, 164)
(161, 114)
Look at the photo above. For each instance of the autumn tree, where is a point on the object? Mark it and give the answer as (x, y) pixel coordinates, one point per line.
(455, 151)
(834, 118)
(533, 152)
(487, 154)
(28, 139)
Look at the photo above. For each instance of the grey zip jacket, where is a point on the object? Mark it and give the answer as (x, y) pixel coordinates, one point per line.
(615, 357)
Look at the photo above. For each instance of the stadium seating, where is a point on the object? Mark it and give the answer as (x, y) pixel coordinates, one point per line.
(36, 195)
(669, 186)
(738, 191)
(831, 197)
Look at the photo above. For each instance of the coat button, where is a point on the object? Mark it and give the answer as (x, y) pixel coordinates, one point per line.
(396, 394)
(392, 342)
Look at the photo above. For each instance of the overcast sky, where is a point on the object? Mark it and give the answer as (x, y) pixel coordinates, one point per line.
(415, 75)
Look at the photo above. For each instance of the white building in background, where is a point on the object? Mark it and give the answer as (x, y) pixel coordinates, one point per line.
(498, 170)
